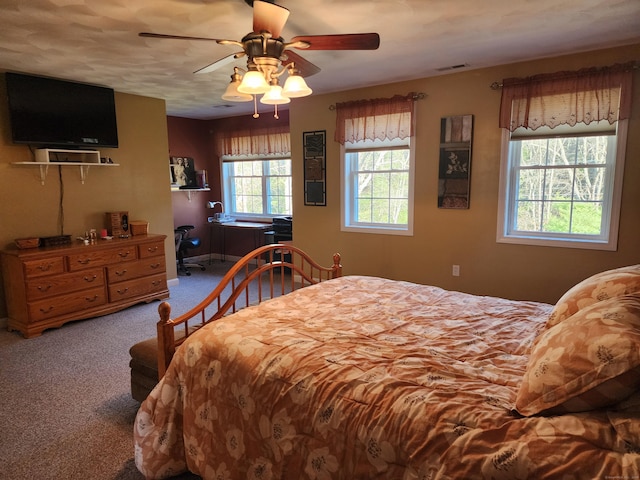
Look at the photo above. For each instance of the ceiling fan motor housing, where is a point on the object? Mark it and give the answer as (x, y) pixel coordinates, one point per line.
(263, 45)
(267, 52)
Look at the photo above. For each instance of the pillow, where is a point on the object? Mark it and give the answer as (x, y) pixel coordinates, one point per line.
(598, 287)
(590, 360)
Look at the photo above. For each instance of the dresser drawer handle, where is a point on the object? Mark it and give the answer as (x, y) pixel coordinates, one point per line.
(90, 279)
(121, 292)
(152, 249)
(44, 288)
(91, 300)
(155, 283)
(153, 266)
(84, 261)
(121, 272)
(45, 268)
(46, 310)
(124, 254)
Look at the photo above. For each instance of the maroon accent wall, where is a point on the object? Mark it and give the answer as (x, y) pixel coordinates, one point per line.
(196, 139)
(190, 138)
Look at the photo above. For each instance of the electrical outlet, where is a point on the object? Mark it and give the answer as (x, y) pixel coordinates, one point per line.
(455, 271)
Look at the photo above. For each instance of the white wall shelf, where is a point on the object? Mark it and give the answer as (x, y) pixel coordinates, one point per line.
(84, 167)
(54, 155)
(188, 191)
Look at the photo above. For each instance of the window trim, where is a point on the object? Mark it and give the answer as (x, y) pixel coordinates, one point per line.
(381, 229)
(610, 244)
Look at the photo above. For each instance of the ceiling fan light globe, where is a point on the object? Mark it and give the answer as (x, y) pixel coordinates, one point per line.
(274, 96)
(232, 94)
(296, 87)
(253, 83)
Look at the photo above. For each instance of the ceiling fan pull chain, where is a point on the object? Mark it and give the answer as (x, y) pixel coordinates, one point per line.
(275, 114)
(255, 107)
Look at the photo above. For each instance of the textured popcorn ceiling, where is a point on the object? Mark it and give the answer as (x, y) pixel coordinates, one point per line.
(97, 41)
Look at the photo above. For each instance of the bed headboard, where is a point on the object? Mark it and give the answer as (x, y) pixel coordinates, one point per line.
(266, 272)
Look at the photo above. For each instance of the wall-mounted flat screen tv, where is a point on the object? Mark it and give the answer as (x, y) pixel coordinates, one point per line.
(48, 112)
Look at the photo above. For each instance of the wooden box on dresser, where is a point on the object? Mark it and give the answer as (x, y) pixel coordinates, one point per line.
(48, 286)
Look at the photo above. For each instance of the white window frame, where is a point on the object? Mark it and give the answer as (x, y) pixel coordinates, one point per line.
(227, 188)
(611, 208)
(347, 198)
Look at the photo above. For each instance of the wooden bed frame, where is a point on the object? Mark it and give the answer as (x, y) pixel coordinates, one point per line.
(266, 272)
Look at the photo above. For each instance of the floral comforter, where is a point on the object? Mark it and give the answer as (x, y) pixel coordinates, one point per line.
(363, 377)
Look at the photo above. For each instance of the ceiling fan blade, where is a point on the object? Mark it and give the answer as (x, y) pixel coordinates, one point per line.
(176, 37)
(347, 41)
(269, 17)
(305, 67)
(219, 63)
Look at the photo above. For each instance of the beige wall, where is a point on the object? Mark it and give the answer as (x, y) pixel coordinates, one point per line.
(140, 185)
(441, 237)
(463, 237)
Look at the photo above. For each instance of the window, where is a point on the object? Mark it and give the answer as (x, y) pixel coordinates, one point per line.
(377, 165)
(561, 181)
(256, 171)
(257, 187)
(377, 184)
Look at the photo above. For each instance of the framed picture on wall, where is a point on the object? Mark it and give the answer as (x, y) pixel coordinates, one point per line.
(454, 178)
(315, 176)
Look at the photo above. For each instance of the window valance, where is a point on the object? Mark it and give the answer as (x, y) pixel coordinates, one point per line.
(255, 141)
(567, 98)
(375, 119)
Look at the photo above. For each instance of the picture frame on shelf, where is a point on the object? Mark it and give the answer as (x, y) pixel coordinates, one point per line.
(183, 172)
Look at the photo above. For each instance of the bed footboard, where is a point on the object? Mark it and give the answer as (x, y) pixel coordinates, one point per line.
(266, 272)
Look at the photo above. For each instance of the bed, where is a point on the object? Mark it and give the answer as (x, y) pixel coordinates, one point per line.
(360, 377)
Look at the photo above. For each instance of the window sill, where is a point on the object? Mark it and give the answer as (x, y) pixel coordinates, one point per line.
(378, 230)
(549, 242)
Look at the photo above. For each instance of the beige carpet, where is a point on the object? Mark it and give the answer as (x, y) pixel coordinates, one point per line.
(66, 408)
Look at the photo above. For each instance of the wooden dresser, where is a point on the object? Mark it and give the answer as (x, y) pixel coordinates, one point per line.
(49, 286)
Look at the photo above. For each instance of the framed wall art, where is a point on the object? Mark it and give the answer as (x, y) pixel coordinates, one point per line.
(454, 178)
(315, 174)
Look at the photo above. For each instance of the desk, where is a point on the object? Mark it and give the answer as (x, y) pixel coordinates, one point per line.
(256, 230)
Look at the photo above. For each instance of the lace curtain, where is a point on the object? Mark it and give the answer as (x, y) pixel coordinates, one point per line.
(590, 94)
(380, 118)
(255, 141)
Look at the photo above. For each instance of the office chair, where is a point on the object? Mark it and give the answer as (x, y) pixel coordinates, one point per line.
(184, 243)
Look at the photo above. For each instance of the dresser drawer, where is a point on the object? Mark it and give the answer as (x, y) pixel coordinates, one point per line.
(42, 287)
(140, 268)
(152, 249)
(69, 303)
(99, 258)
(46, 266)
(137, 287)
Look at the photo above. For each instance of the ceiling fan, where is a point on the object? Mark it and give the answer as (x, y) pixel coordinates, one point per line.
(269, 56)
